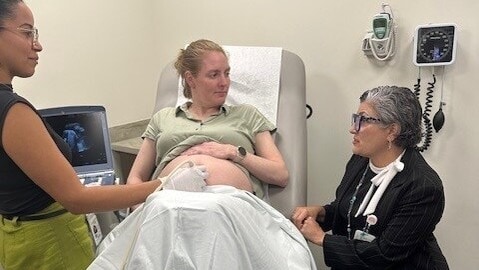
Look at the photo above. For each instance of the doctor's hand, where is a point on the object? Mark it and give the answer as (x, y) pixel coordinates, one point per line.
(312, 231)
(300, 214)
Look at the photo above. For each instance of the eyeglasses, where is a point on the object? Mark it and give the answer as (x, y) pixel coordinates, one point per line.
(357, 119)
(31, 33)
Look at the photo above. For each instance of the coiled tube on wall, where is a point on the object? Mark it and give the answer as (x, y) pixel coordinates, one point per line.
(427, 135)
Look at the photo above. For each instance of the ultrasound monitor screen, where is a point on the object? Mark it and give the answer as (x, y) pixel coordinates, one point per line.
(84, 135)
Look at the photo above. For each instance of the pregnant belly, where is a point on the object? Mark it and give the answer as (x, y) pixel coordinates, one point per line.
(220, 171)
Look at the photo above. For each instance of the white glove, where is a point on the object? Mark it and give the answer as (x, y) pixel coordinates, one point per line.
(186, 177)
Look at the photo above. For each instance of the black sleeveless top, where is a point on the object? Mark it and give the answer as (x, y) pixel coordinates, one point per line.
(19, 195)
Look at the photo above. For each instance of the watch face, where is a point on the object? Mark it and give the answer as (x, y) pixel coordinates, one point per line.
(435, 44)
(242, 151)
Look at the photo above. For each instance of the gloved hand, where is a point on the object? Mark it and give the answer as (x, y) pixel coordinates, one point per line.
(186, 177)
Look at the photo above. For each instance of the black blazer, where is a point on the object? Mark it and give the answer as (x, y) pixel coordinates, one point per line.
(408, 212)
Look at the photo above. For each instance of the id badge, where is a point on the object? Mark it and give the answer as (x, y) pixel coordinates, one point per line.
(94, 228)
(363, 236)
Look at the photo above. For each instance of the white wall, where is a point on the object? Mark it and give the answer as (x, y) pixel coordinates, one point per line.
(95, 52)
(111, 53)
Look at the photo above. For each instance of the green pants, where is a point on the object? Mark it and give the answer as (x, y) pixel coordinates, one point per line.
(61, 242)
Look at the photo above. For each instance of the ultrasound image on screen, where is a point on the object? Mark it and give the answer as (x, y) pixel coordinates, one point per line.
(84, 135)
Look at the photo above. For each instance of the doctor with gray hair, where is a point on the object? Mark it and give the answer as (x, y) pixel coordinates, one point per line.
(389, 200)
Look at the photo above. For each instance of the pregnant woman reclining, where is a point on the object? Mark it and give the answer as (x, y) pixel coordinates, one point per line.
(232, 143)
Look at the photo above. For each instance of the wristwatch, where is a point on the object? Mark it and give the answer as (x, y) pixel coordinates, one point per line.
(240, 153)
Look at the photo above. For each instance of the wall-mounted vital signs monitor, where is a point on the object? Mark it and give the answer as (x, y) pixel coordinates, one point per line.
(435, 44)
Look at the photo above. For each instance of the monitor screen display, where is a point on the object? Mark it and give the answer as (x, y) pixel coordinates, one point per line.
(83, 133)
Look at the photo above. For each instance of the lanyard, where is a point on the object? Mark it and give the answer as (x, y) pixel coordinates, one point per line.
(353, 199)
(381, 180)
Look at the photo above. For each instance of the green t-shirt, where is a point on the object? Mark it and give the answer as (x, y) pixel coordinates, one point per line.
(174, 130)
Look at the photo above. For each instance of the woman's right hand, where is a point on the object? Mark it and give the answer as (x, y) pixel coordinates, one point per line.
(301, 213)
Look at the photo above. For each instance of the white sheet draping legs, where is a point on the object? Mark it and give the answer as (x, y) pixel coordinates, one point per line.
(222, 228)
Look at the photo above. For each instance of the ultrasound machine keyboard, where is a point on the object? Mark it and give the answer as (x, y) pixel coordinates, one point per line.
(98, 179)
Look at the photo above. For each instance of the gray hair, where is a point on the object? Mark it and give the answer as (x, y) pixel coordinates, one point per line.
(397, 105)
(7, 9)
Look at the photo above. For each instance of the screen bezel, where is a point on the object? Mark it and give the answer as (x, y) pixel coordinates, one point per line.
(100, 110)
